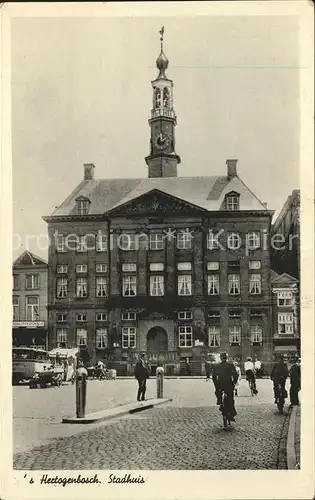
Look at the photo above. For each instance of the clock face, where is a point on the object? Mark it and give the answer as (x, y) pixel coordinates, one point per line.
(162, 141)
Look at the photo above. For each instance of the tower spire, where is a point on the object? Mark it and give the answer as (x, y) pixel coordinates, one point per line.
(163, 160)
(162, 61)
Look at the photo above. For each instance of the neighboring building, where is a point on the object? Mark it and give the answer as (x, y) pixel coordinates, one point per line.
(286, 333)
(29, 299)
(174, 266)
(286, 253)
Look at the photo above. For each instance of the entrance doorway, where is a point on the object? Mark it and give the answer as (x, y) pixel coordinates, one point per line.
(157, 340)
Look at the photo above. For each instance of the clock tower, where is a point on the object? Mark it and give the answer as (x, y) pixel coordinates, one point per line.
(163, 160)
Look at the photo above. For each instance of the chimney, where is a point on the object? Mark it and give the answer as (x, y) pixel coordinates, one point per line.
(89, 171)
(231, 168)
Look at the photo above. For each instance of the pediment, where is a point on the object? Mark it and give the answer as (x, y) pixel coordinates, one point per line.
(284, 279)
(155, 202)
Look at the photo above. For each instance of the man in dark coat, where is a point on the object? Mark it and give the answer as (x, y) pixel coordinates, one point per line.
(142, 373)
(295, 381)
(279, 375)
(224, 378)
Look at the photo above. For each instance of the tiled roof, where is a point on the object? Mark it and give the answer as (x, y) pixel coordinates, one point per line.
(29, 259)
(205, 192)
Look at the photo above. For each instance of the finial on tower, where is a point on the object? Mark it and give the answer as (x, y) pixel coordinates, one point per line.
(162, 61)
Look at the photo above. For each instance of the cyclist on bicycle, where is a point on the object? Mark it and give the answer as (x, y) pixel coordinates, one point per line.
(224, 378)
(250, 374)
(279, 375)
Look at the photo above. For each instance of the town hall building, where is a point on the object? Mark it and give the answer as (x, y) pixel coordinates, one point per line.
(174, 266)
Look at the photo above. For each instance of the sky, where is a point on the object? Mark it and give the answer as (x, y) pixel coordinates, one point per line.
(81, 92)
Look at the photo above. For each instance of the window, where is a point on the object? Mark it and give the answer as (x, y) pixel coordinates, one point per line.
(256, 313)
(60, 243)
(212, 240)
(184, 240)
(101, 243)
(285, 323)
(61, 317)
(212, 266)
(156, 285)
(254, 264)
(127, 241)
(81, 268)
(256, 334)
(184, 284)
(129, 268)
(213, 284)
(128, 337)
(253, 240)
(101, 317)
(80, 318)
(16, 281)
(81, 337)
(184, 266)
(129, 286)
(234, 284)
(285, 299)
(101, 287)
(32, 282)
(62, 288)
(62, 337)
(185, 336)
(82, 207)
(234, 266)
(156, 267)
(184, 315)
(214, 336)
(62, 269)
(101, 338)
(156, 241)
(81, 287)
(81, 244)
(32, 308)
(101, 268)
(235, 335)
(254, 284)
(128, 316)
(214, 315)
(236, 313)
(233, 241)
(16, 308)
(232, 202)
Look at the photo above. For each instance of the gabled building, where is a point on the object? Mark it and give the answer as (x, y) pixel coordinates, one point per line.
(174, 266)
(29, 298)
(286, 235)
(286, 331)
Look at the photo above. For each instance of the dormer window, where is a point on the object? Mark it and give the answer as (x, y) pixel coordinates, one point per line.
(83, 205)
(232, 201)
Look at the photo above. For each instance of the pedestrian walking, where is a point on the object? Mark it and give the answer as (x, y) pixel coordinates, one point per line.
(239, 373)
(188, 367)
(208, 367)
(257, 366)
(142, 373)
(295, 381)
(279, 375)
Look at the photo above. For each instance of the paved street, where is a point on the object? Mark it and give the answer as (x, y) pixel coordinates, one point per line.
(183, 434)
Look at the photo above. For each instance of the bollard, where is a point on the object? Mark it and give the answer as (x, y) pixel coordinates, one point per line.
(159, 381)
(81, 381)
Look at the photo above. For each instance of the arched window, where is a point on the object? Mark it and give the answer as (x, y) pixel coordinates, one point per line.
(157, 98)
(166, 98)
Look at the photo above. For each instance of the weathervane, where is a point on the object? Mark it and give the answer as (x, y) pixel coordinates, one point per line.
(162, 36)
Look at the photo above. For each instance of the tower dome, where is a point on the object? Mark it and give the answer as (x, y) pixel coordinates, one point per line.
(162, 64)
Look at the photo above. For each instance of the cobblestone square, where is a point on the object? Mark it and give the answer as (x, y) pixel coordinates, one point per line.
(183, 434)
